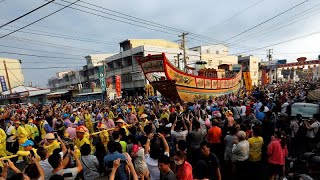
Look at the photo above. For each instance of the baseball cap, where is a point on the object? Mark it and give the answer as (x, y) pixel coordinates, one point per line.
(27, 143)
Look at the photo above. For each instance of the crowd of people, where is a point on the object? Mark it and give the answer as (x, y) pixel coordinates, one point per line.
(243, 136)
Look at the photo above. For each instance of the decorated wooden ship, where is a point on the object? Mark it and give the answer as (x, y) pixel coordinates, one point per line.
(177, 84)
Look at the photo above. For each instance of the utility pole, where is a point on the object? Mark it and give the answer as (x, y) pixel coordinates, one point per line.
(269, 56)
(6, 70)
(183, 46)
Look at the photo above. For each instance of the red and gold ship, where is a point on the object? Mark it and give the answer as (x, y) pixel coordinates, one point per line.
(176, 84)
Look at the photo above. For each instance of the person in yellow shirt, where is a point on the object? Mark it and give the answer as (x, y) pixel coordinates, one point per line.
(28, 146)
(88, 121)
(110, 113)
(51, 144)
(131, 107)
(42, 130)
(120, 123)
(143, 120)
(104, 135)
(22, 136)
(140, 110)
(81, 139)
(255, 152)
(34, 127)
(164, 114)
(28, 128)
(3, 138)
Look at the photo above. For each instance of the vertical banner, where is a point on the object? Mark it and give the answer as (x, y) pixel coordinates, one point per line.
(3, 84)
(102, 78)
(118, 85)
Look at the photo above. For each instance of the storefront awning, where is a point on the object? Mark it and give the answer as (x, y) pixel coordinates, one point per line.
(56, 94)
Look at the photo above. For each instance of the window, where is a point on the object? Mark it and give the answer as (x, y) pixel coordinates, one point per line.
(217, 52)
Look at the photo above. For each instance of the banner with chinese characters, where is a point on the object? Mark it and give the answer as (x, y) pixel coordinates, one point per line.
(3, 84)
(118, 85)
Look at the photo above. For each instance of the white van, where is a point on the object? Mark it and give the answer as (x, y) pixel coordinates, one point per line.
(307, 110)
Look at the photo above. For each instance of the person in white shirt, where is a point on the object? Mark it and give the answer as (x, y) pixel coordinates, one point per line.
(240, 154)
(313, 128)
(44, 163)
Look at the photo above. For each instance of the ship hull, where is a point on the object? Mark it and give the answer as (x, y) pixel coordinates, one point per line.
(183, 86)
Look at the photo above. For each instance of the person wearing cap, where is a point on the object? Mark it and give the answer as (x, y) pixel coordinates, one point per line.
(104, 135)
(120, 123)
(70, 131)
(230, 118)
(28, 146)
(22, 136)
(131, 117)
(88, 121)
(35, 131)
(81, 138)
(51, 143)
(143, 120)
(131, 107)
(164, 114)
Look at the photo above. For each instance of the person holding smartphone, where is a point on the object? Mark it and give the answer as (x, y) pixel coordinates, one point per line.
(56, 162)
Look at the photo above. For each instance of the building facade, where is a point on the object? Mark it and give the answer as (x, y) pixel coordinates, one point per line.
(251, 64)
(14, 71)
(302, 70)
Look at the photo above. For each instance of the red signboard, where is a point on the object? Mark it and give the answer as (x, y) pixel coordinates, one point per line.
(118, 85)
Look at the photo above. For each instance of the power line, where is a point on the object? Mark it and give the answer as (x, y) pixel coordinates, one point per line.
(267, 20)
(282, 42)
(53, 44)
(48, 34)
(168, 30)
(26, 13)
(52, 67)
(282, 23)
(39, 50)
(114, 19)
(40, 19)
(42, 56)
(238, 13)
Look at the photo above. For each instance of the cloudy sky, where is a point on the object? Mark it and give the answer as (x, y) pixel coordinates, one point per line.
(63, 39)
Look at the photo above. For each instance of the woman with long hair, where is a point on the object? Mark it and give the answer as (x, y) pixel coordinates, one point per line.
(277, 152)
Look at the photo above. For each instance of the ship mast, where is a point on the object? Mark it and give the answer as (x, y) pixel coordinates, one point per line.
(183, 46)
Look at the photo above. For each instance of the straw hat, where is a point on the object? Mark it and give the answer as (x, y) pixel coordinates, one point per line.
(143, 116)
(120, 121)
(49, 136)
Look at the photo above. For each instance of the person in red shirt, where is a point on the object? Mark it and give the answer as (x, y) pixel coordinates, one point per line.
(214, 137)
(277, 152)
(184, 169)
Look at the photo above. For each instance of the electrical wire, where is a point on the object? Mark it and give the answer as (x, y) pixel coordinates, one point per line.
(48, 34)
(26, 13)
(36, 50)
(194, 36)
(270, 19)
(54, 44)
(52, 67)
(39, 19)
(42, 56)
(238, 13)
(283, 23)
